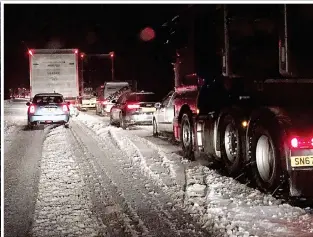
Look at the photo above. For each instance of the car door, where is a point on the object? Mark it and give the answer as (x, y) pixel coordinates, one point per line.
(169, 114)
(118, 107)
(160, 114)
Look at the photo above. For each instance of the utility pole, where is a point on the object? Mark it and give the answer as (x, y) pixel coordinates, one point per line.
(112, 64)
(82, 73)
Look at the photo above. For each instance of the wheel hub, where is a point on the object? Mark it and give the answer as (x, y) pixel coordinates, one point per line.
(186, 133)
(231, 142)
(264, 158)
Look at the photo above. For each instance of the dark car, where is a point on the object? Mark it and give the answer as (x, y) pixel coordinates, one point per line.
(133, 108)
(48, 108)
(107, 104)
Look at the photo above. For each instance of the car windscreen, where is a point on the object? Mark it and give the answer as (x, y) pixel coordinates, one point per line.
(142, 98)
(47, 99)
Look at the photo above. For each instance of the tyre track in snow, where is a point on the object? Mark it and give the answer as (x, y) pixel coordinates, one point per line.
(22, 155)
(63, 206)
(151, 204)
(109, 204)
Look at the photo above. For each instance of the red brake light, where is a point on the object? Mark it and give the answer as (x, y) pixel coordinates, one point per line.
(32, 109)
(30, 52)
(64, 108)
(133, 106)
(301, 142)
(294, 142)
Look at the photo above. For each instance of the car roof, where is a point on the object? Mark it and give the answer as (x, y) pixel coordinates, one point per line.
(48, 94)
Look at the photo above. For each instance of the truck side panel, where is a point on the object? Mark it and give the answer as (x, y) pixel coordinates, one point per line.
(54, 73)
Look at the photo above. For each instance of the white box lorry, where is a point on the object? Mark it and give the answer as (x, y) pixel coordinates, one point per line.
(55, 70)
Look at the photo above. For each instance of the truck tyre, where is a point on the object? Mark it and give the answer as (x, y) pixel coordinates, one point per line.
(186, 134)
(155, 128)
(123, 122)
(264, 149)
(232, 144)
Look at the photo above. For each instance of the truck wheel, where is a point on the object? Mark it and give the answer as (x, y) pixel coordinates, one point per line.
(264, 147)
(232, 145)
(123, 122)
(155, 128)
(186, 134)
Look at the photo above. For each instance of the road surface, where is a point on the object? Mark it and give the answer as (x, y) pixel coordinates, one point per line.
(97, 180)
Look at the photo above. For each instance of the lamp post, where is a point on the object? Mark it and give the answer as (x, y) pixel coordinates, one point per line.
(82, 80)
(112, 64)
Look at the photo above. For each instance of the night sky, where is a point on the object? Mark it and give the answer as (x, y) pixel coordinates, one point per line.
(92, 29)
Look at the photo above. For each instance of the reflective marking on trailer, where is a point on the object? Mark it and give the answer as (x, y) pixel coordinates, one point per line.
(301, 161)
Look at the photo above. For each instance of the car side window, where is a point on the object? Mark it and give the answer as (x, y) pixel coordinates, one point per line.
(119, 101)
(171, 102)
(166, 100)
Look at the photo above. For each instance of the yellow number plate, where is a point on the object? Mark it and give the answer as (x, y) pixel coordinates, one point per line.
(148, 109)
(301, 161)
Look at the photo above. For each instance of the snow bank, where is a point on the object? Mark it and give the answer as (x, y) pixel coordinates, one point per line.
(219, 203)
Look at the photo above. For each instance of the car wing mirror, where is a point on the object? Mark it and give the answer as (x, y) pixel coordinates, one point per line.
(157, 105)
(28, 103)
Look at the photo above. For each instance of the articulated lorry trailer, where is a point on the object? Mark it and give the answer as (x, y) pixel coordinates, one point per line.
(255, 109)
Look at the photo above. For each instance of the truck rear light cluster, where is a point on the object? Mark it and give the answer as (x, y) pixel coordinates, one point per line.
(301, 142)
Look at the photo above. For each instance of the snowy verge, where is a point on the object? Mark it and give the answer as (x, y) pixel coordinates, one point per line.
(218, 202)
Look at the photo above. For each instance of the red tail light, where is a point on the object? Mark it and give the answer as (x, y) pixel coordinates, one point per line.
(133, 106)
(65, 108)
(301, 142)
(32, 109)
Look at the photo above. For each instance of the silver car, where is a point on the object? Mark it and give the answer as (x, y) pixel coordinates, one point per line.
(48, 108)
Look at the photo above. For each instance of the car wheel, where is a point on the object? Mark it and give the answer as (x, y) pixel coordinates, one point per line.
(111, 120)
(123, 122)
(30, 126)
(102, 112)
(187, 136)
(155, 128)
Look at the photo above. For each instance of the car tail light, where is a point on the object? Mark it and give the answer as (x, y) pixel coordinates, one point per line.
(65, 108)
(301, 142)
(32, 109)
(133, 106)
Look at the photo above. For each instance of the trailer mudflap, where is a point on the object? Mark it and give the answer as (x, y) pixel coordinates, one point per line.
(301, 183)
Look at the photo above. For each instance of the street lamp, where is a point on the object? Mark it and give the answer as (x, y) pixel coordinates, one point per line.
(112, 66)
(82, 55)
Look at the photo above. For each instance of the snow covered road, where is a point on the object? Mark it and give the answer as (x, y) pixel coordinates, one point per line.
(97, 180)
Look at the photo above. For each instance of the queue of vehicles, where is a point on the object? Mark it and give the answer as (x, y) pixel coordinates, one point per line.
(249, 108)
(245, 107)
